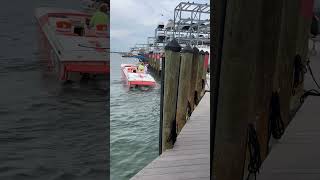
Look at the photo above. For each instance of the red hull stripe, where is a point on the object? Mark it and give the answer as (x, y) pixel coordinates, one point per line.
(87, 68)
(142, 83)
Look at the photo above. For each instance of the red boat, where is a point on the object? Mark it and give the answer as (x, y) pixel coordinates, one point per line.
(72, 47)
(134, 78)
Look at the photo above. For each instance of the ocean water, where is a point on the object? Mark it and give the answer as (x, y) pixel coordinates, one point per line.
(48, 130)
(134, 123)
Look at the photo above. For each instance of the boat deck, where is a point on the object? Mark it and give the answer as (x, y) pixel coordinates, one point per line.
(190, 156)
(75, 48)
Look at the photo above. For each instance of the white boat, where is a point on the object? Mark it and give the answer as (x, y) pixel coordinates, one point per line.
(170, 25)
(73, 47)
(133, 78)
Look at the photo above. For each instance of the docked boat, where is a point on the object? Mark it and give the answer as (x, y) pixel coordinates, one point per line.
(72, 47)
(133, 78)
(127, 55)
(170, 25)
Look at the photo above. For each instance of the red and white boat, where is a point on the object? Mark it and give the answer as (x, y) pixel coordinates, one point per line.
(72, 47)
(134, 78)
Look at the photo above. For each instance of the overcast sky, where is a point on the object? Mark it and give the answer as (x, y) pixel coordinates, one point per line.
(132, 21)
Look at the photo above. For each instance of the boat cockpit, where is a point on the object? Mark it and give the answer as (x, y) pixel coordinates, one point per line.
(76, 25)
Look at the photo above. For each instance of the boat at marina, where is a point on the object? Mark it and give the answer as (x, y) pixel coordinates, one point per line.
(73, 49)
(134, 78)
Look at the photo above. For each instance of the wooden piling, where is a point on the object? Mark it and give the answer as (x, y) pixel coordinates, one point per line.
(206, 61)
(171, 78)
(302, 49)
(183, 103)
(152, 61)
(204, 74)
(266, 65)
(237, 87)
(157, 63)
(198, 86)
(201, 71)
(193, 80)
(286, 55)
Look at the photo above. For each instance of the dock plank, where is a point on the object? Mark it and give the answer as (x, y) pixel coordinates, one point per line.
(190, 157)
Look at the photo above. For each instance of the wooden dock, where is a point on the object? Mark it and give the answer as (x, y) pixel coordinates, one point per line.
(190, 156)
(296, 155)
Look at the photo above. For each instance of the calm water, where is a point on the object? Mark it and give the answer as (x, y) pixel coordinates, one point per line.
(47, 130)
(134, 117)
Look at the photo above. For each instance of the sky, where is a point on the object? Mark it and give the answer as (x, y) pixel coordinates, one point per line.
(132, 21)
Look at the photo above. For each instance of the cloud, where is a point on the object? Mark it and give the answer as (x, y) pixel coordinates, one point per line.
(119, 33)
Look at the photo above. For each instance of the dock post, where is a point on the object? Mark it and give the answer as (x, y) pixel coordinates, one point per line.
(198, 80)
(152, 61)
(161, 105)
(285, 60)
(171, 78)
(193, 80)
(204, 73)
(206, 62)
(236, 89)
(200, 83)
(183, 103)
(266, 65)
(302, 49)
(155, 62)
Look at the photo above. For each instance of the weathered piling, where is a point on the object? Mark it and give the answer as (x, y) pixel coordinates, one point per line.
(204, 73)
(152, 60)
(286, 55)
(206, 61)
(194, 69)
(171, 78)
(161, 105)
(183, 103)
(157, 64)
(236, 88)
(265, 68)
(198, 75)
(199, 82)
(304, 24)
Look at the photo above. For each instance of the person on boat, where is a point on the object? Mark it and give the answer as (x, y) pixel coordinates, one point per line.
(141, 67)
(100, 17)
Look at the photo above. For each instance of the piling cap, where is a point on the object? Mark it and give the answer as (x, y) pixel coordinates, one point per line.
(207, 53)
(187, 49)
(202, 52)
(195, 50)
(173, 46)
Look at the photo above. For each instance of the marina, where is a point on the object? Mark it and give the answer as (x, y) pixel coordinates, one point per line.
(184, 79)
(184, 119)
(190, 25)
(134, 133)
